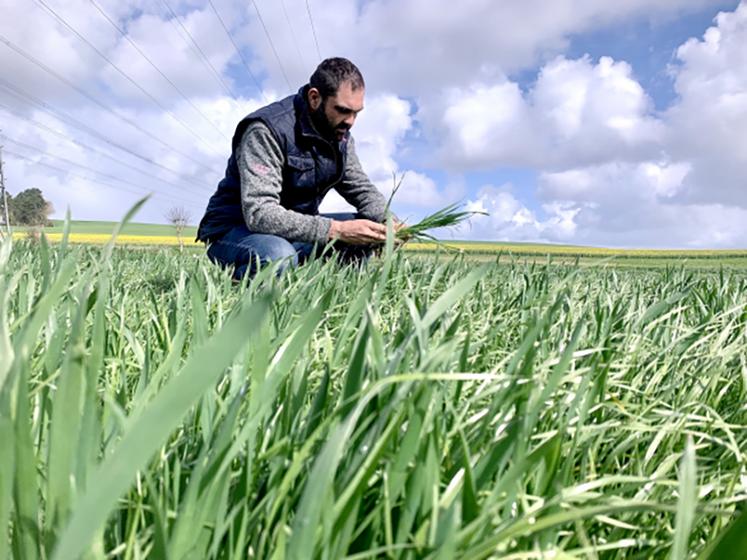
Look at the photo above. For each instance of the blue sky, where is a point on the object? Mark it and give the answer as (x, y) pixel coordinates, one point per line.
(614, 124)
(649, 45)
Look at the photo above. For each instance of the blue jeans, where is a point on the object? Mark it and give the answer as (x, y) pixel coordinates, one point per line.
(241, 249)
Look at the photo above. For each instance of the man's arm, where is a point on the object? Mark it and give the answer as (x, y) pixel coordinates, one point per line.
(358, 190)
(260, 161)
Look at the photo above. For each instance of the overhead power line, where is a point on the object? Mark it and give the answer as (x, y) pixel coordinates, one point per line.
(100, 104)
(272, 45)
(156, 68)
(293, 34)
(126, 76)
(27, 98)
(199, 51)
(76, 164)
(139, 192)
(236, 47)
(94, 150)
(313, 30)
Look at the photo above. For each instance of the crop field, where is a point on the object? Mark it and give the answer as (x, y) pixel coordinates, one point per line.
(413, 407)
(484, 247)
(157, 235)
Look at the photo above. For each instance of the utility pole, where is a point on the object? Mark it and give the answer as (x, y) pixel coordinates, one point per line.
(3, 196)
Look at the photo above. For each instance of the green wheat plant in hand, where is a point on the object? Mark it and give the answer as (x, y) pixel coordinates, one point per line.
(450, 216)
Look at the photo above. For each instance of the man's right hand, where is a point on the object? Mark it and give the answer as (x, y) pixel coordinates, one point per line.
(358, 232)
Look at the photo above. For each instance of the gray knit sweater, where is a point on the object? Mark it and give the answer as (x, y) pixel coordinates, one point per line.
(261, 159)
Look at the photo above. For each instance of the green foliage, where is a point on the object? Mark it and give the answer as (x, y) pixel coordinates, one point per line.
(417, 408)
(29, 208)
(449, 216)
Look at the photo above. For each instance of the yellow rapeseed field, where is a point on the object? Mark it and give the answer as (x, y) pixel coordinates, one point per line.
(539, 249)
(124, 239)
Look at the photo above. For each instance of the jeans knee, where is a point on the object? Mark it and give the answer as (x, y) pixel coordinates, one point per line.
(278, 249)
(244, 251)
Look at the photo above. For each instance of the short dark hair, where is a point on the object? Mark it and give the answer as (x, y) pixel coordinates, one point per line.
(333, 72)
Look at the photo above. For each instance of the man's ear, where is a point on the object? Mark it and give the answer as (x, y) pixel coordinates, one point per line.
(314, 98)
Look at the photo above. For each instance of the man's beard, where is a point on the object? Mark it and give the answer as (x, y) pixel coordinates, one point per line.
(324, 127)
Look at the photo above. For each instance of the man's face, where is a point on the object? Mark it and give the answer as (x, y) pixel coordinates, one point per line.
(335, 115)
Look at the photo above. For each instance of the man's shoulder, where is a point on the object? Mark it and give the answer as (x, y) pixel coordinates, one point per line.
(278, 119)
(259, 137)
(276, 109)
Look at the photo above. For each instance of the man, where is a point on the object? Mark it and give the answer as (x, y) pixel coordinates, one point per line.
(285, 158)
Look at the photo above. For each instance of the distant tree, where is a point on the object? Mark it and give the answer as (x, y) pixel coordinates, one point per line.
(29, 208)
(179, 217)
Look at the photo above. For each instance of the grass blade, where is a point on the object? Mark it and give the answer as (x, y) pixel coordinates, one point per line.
(688, 501)
(151, 428)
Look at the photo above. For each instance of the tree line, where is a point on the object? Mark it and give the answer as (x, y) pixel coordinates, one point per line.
(29, 208)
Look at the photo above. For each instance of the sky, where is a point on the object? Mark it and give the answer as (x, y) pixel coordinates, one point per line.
(618, 124)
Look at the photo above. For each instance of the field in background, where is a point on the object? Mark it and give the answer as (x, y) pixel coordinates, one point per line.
(158, 234)
(82, 227)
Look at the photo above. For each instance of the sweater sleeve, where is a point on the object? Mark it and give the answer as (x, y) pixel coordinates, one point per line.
(358, 190)
(260, 161)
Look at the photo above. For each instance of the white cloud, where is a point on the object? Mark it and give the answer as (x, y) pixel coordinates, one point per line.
(610, 168)
(635, 204)
(436, 45)
(378, 131)
(706, 126)
(381, 128)
(189, 184)
(618, 205)
(486, 124)
(194, 139)
(592, 112)
(417, 190)
(169, 49)
(623, 174)
(28, 27)
(502, 216)
(693, 194)
(577, 113)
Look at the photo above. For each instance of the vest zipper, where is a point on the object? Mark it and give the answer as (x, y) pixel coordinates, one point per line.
(342, 171)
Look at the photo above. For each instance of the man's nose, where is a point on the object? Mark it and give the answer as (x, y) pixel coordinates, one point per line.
(349, 120)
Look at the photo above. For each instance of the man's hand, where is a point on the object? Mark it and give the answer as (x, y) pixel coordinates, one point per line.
(358, 232)
(400, 239)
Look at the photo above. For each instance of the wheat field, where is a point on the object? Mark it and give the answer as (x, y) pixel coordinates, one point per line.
(409, 408)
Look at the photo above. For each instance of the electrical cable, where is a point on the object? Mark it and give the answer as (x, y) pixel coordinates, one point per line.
(75, 164)
(92, 149)
(236, 47)
(199, 51)
(30, 99)
(98, 183)
(272, 45)
(157, 69)
(313, 30)
(126, 76)
(293, 34)
(92, 99)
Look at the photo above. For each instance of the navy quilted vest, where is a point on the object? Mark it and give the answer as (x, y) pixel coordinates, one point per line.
(312, 166)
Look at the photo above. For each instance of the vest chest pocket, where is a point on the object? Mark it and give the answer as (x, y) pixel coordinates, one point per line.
(301, 172)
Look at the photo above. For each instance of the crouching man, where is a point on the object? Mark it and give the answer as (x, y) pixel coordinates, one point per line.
(285, 158)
